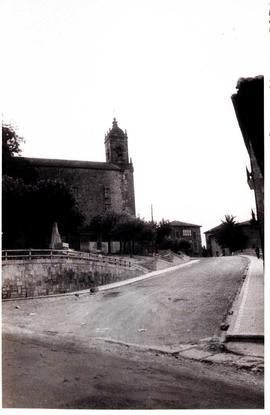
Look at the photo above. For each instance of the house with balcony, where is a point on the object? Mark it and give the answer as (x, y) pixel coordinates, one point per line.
(182, 231)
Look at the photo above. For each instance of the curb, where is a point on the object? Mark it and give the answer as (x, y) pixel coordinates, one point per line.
(191, 352)
(247, 337)
(237, 310)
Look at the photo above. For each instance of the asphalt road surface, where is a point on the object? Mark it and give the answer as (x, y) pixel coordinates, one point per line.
(77, 352)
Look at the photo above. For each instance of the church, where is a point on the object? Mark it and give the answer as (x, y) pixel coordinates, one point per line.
(97, 186)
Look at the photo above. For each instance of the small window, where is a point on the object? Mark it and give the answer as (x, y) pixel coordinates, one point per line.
(186, 232)
(106, 192)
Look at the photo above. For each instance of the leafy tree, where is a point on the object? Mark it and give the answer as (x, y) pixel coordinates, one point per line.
(51, 201)
(147, 236)
(184, 246)
(12, 165)
(164, 230)
(109, 223)
(126, 229)
(13, 207)
(103, 227)
(95, 226)
(30, 206)
(230, 234)
(11, 142)
(29, 210)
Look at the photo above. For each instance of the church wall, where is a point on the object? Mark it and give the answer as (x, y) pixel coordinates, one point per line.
(128, 191)
(96, 190)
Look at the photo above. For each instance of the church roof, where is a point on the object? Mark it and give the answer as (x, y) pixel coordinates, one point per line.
(77, 164)
(178, 223)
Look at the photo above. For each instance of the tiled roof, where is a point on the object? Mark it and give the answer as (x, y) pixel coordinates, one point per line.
(216, 228)
(178, 223)
(213, 230)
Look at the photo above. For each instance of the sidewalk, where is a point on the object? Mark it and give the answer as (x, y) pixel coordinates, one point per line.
(247, 321)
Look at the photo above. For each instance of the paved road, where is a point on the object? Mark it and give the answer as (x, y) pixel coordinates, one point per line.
(61, 348)
(179, 307)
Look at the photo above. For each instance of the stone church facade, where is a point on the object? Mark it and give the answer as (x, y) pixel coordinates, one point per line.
(97, 186)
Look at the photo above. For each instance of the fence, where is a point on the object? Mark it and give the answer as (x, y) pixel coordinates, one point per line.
(40, 272)
(32, 254)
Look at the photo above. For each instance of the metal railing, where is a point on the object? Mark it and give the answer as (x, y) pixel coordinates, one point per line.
(32, 254)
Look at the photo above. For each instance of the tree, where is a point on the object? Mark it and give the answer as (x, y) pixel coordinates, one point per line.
(103, 227)
(126, 231)
(147, 237)
(13, 207)
(95, 226)
(11, 142)
(164, 230)
(184, 246)
(230, 234)
(30, 206)
(12, 165)
(124, 228)
(51, 201)
(29, 211)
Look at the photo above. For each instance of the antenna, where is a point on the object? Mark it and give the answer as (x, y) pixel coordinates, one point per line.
(152, 216)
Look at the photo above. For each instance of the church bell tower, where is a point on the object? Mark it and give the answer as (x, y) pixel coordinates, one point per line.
(116, 145)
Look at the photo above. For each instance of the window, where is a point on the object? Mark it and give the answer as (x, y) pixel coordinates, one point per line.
(107, 198)
(186, 232)
(106, 192)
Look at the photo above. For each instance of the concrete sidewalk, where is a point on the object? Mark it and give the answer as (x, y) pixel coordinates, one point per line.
(247, 314)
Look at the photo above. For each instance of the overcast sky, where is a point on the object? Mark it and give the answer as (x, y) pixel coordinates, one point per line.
(166, 69)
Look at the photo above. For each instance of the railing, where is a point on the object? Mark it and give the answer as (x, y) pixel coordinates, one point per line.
(32, 254)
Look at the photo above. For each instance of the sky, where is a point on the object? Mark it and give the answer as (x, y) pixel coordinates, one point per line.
(166, 69)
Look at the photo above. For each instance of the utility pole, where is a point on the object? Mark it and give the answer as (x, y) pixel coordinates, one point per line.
(152, 220)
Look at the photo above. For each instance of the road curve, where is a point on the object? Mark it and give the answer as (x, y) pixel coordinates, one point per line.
(182, 306)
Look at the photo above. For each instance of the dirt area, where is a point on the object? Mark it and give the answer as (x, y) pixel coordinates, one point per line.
(48, 373)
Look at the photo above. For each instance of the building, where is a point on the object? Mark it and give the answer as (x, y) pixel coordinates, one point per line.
(212, 246)
(182, 231)
(250, 231)
(248, 104)
(97, 186)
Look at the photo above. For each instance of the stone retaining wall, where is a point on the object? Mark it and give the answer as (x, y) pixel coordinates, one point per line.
(40, 277)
